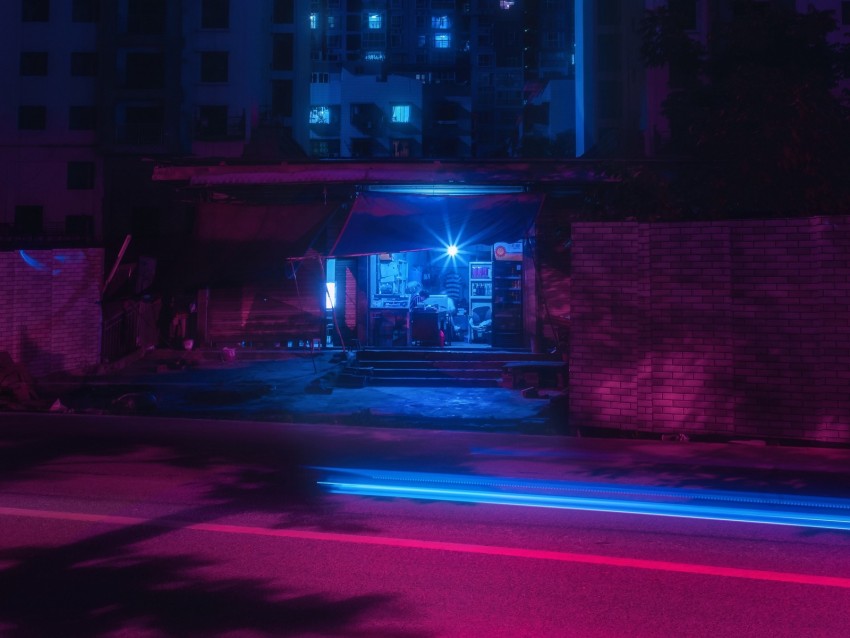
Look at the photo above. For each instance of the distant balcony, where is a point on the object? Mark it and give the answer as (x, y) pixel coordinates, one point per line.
(50, 235)
(367, 118)
(219, 129)
(139, 134)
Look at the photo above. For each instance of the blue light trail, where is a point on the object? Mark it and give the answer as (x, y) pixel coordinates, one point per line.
(742, 507)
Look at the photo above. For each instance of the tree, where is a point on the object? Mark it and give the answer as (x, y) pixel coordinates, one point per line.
(757, 111)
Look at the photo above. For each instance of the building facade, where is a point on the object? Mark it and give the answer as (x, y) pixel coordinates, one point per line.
(50, 157)
(102, 92)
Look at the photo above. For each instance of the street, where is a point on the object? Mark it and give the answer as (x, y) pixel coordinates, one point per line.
(164, 527)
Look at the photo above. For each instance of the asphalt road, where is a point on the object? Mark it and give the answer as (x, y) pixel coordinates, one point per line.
(132, 527)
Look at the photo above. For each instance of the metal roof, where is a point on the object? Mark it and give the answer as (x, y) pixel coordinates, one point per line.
(405, 172)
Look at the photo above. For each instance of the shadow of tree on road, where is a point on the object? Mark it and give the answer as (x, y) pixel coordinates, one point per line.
(100, 586)
(119, 579)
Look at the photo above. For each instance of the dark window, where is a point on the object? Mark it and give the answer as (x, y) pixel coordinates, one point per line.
(282, 52)
(146, 16)
(80, 176)
(282, 97)
(35, 10)
(324, 148)
(212, 122)
(400, 148)
(29, 220)
(361, 147)
(845, 13)
(214, 66)
(32, 118)
(215, 14)
(85, 11)
(82, 118)
(144, 125)
(83, 63)
(145, 71)
(81, 226)
(34, 63)
(283, 12)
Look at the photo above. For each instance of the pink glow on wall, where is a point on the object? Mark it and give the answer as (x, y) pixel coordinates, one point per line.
(731, 328)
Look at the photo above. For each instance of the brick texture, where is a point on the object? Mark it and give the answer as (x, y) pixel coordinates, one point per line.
(51, 308)
(718, 328)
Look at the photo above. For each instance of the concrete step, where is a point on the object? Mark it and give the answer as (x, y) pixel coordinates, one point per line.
(434, 382)
(435, 367)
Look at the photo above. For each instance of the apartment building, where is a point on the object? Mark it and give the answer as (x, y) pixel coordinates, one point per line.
(53, 181)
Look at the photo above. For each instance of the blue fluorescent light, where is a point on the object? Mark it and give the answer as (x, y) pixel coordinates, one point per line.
(445, 189)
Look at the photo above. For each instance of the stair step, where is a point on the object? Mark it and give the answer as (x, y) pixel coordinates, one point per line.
(437, 367)
(432, 382)
(437, 373)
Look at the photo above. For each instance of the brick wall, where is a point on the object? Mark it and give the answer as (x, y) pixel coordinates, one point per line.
(732, 328)
(50, 315)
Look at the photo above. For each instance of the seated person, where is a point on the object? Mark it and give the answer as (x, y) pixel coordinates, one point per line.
(419, 299)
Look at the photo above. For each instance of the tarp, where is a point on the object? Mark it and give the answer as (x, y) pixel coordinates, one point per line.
(394, 223)
(233, 243)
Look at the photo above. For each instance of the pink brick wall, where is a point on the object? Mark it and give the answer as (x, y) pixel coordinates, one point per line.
(50, 314)
(732, 328)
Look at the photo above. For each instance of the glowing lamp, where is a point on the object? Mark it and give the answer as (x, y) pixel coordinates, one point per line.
(451, 251)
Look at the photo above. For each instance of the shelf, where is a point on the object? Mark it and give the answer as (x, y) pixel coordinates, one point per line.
(507, 304)
(480, 289)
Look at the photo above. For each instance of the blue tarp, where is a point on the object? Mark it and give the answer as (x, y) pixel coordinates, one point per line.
(395, 223)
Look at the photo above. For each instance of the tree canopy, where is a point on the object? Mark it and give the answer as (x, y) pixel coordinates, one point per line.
(755, 114)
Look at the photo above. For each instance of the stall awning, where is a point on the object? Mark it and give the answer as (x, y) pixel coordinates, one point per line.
(237, 243)
(394, 223)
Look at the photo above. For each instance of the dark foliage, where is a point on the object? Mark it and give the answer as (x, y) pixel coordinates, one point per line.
(756, 112)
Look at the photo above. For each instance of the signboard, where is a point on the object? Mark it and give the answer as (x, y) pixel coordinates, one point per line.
(507, 252)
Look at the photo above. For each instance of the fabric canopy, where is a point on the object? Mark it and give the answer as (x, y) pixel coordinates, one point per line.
(236, 243)
(394, 223)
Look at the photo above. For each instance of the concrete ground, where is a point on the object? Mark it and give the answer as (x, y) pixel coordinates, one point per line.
(296, 387)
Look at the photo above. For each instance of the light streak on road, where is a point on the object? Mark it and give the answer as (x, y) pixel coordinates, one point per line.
(443, 546)
(740, 507)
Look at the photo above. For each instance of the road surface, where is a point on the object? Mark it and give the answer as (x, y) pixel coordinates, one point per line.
(132, 527)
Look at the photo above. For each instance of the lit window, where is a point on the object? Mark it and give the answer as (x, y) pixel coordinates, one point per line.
(441, 22)
(401, 113)
(320, 115)
(314, 20)
(506, 4)
(376, 20)
(442, 40)
(319, 78)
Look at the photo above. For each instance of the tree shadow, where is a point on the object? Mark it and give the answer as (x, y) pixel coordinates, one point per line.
(108, 582)
(100, 585)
